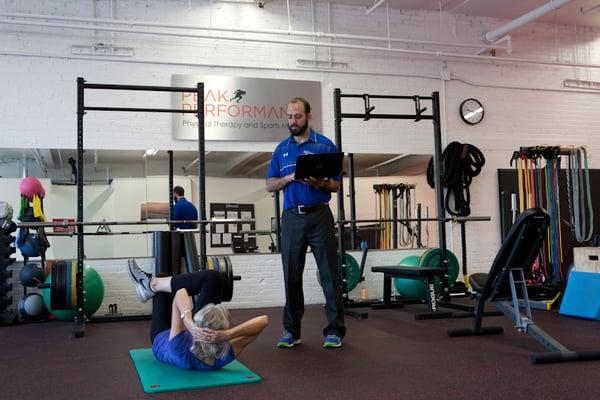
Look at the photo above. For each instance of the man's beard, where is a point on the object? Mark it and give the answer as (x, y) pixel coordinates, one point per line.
(297, 130)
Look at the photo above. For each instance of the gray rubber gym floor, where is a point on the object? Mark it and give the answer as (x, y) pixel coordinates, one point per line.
(387, 356)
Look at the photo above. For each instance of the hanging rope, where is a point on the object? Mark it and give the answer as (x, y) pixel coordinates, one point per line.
(459, 164)
(580, 198)
(407, 235)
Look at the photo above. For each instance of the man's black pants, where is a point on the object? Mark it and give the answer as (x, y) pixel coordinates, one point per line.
(298, 231)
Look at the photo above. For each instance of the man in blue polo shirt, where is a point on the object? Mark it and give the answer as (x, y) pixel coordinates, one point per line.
(183, 210)
(306, 221)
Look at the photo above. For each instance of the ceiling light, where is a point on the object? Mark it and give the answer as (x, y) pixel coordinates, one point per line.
(150, 152)
(101, 49)
(579, 84)
(322, 64)
(236, 1)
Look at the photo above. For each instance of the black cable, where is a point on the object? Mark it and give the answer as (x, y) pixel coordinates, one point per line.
(459, 164)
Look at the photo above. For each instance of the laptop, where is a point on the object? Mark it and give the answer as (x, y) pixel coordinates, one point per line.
(319, 165)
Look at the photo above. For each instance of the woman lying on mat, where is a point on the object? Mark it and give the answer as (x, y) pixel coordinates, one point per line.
(197, 337)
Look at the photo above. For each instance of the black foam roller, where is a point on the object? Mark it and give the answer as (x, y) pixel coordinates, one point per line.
(161, 252)
(176, 252)
(190, 252)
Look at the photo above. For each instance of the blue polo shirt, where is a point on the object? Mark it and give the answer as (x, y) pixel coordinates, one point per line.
(283, 163)
(184, 210)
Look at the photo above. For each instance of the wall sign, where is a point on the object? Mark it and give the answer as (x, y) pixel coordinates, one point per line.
(223, 234)
(246, 109)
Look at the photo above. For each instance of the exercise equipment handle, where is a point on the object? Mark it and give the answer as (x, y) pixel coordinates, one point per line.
(471, 219)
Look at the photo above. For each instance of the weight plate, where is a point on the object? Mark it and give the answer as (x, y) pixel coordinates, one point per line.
(216, 265)
(352, 272)
(431, 259)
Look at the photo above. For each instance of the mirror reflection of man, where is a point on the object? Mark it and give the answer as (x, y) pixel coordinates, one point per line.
(183, 210)
(306, 221)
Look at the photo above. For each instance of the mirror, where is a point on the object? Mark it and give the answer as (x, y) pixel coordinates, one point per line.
(130, 185)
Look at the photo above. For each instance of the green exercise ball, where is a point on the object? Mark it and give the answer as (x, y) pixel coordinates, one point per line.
(410, 289)
(93, 295)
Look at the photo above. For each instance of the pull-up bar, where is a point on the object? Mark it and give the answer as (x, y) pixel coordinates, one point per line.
(417, 116)
(138, 87)
(82, 85)
(437, 151)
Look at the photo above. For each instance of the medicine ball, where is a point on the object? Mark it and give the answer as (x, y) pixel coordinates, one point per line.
(32, 275)
(30, 245)
(32, 306)
(31, 186)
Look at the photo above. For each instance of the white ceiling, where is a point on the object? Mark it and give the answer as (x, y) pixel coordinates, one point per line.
(577, 12)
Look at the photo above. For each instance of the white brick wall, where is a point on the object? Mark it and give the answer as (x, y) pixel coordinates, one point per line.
(525, 104)
(261, 284)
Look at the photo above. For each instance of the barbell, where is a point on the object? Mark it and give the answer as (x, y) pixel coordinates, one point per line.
(223, 265)
(63, 283)
(66, 224)
(475, 218)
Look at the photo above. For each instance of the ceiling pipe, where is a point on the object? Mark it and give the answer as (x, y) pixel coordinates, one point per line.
(583, 12)
(438, 54)
(24, 166)
(259, 166)
(62, 165)
(38, 159)
(190, 165)
(247, 39)
(287, 32)
(386, 162)
(497, 33)
(374, 6)
(458, 6)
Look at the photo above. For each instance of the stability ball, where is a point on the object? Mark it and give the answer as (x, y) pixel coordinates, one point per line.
(411, 289)
(93, 294)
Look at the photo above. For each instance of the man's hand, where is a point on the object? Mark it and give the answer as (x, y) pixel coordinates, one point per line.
(289, 178)
(275, 184)
(315, 182)
(324, 184)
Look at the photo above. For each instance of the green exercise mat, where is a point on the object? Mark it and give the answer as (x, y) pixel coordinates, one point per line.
(158, 377)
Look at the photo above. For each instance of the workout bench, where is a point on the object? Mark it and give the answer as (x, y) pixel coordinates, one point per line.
(512, 263)
(426, 275)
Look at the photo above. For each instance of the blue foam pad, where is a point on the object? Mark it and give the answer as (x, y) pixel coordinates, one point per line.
(582, 297)
(157, 377)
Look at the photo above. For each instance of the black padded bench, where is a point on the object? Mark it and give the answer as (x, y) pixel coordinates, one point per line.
(426, 275)
(510, 267)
